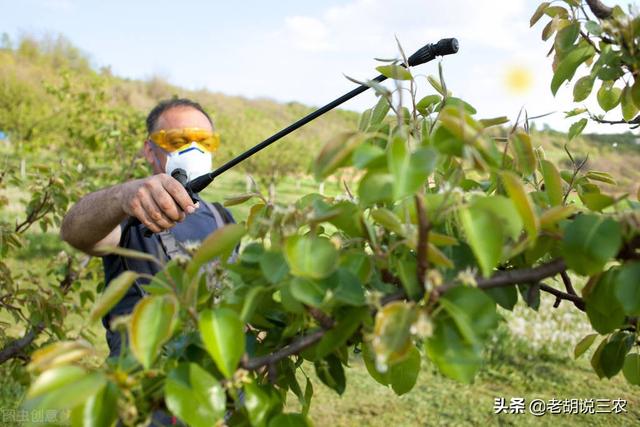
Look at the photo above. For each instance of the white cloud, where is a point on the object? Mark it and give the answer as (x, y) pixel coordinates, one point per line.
(308, 33)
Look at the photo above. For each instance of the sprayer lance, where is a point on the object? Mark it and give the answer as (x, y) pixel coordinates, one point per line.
(424, 54)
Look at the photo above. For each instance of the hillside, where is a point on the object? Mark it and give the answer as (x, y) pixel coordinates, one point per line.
(47, 86)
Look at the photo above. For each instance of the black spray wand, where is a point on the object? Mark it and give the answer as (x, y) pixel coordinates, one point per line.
(423, 55)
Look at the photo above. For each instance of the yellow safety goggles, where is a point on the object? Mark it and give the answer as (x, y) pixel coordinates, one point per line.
(174, 139)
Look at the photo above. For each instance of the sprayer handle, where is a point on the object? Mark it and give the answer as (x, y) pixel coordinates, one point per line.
(181, 176)
(430, 51)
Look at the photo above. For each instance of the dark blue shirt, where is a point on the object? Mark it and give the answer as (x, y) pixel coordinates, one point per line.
(195, 227)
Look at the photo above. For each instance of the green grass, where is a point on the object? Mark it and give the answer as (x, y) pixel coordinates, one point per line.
(513, 370)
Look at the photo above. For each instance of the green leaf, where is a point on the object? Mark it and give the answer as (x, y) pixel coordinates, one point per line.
(406, 267)
(376, 187)
(395, 72)
(310, 257)
(608, 96)
(222, 332)
(552, 182)
(473, 312)
(388, 220)
(504, 210)
(635, 92)
(274, 266)
(593, 27)
(495, 121)
(290, 420)
(452, 101)
(368, 156)
(346, 325)
(568, 66)
(523, 203)
(627, 288)
(348, 289)
(369, 357)
(260, 403)
(435, 83)
(239, 199)
(582, 88)
(566, 37)
(152, 324)
(409, 170)
(552, 216)
(576, 128)
(330, 371)
(629, 108)
(309, 291)
(613, 353)
(219, 243)
(584, 345)
(603, 309)
(538, 13)
(589, 242)
(335, 154)
(404, 374)
(112, 294)
(101, 409)
(523, 153)
(506, 296)
(595, 359)
(601, 177)
(452, 354)
(380, 111)
(391, 333)
(194, 396)
(63, 387)
(484, 235)
(596, 201)
(446, 142)
(128, 253)
(426, 104)
(631, 368)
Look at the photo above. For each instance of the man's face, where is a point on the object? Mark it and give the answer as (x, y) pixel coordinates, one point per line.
(174, 118)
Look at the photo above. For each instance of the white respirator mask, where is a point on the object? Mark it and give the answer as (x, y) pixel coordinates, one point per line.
(192, 158)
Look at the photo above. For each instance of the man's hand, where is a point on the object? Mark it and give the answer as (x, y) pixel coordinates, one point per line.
(158, 202)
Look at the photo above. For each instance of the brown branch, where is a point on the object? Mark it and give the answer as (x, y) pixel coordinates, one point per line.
(507, 278)
(14, 348)
(325, 321)
(588, 40)
(579, 302)
(600, 10)
(294, 348)
(423, 240)
(34, 215)
(567, 283)
(513, 277)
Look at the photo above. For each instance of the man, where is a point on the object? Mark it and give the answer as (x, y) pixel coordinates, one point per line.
(180, 135)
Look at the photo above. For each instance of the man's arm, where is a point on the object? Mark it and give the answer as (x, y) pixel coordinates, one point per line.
(158, 202)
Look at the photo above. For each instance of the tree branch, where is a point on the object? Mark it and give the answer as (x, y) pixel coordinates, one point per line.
(294, 348)
(579, 302)
(599, 10)
(423, 240)
(14, 348)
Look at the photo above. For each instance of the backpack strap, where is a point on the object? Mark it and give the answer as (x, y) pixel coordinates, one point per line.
(171, 247)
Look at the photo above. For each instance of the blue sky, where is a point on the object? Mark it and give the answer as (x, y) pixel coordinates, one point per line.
(299, 50)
